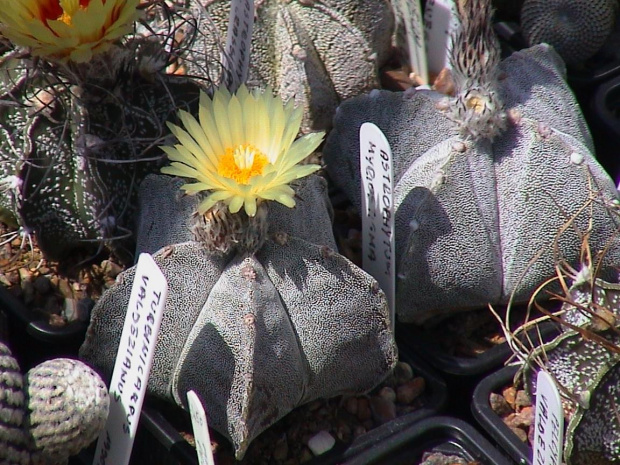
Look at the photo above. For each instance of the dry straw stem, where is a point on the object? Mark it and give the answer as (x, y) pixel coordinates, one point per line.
(520, 340)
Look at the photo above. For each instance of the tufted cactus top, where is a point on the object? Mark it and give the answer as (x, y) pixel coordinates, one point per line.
(478, 207)
(52, 413)
(577, 29)
(254, 334)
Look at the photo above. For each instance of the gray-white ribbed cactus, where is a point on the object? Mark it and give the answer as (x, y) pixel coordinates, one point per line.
(577, 29)
(484, 180)
(50, 414)
(317, 53)
(254, 334)
(585, 361)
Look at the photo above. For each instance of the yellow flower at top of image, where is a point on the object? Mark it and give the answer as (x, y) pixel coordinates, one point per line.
(241, 150)
(67, 29)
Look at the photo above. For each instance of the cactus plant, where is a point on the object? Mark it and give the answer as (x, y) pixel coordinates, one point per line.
(262, 314)
(76, 138)
(584, 360)
(50, 414)
(576, 29)
(317, 53)
(483, 180)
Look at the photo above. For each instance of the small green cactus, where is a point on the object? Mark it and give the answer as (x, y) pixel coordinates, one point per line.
(52, 413)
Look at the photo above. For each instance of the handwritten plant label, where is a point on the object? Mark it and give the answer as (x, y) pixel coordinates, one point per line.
(236, 56)
(133, 363)
(410, 12)
(440, 23)
(378, 209)
(201, 429)
(548, 422)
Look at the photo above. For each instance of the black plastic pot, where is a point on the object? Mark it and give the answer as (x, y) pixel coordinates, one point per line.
(446, 435)
(491, 422)
(31, 337)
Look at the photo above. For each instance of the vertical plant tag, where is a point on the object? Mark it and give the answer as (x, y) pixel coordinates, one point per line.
(378, 210)
(236, 56)
(410, 12)
(440, 23)
(548, 422)
(201, 429)
(133, 363)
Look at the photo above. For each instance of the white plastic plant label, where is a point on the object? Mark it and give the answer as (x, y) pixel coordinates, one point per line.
(410, 12)
(133, 363)
(201, 429)
(378, 253)
(440, 23)
(236, 57)
(548, 422)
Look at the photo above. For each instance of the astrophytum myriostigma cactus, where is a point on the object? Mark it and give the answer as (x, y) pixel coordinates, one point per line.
(317, 53)
(484, 181)
(585, 362)
(262, 314)
(577, 29)
(50, 414)
(76, 138)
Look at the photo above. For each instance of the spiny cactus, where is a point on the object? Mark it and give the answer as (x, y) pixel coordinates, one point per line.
(317, 53)
(483, 181)
(50, 414)
(77, 139)
(256, 334)
(584, 360)
(577, 29)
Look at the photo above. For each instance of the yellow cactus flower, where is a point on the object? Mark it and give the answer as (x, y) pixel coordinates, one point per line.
(242, 151)
(67, 29)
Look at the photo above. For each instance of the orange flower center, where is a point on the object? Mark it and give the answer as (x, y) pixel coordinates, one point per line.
(241, 163)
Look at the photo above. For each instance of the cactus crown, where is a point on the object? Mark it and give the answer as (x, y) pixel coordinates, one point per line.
(243, 151)
(474, 57)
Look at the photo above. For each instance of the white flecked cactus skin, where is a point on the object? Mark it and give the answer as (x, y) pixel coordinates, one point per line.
(478, 211)
(588, 368)
(315, 52)
(255, 335)
(50, 414)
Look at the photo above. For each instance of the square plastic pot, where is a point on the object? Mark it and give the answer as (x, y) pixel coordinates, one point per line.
(491, 422)
(447, 435)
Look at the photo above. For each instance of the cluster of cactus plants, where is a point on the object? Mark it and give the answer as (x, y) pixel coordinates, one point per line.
(263, 314)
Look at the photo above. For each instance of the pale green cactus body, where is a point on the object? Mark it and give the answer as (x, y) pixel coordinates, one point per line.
(255, 335)
(50, 414)
(315, 52)
(476, 217)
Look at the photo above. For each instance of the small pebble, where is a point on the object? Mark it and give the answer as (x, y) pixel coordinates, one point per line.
(321, 442)
(351, 405)
(522, 435)
(522, 399)
(110, 269)
(383, 410)
(388, 394)
(510, 394)
(499, 404)
(410, 391)
(403, 371)
(363, 409)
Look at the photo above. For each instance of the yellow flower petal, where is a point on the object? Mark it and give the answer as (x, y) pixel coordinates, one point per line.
(67, 29)
(241, 150)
